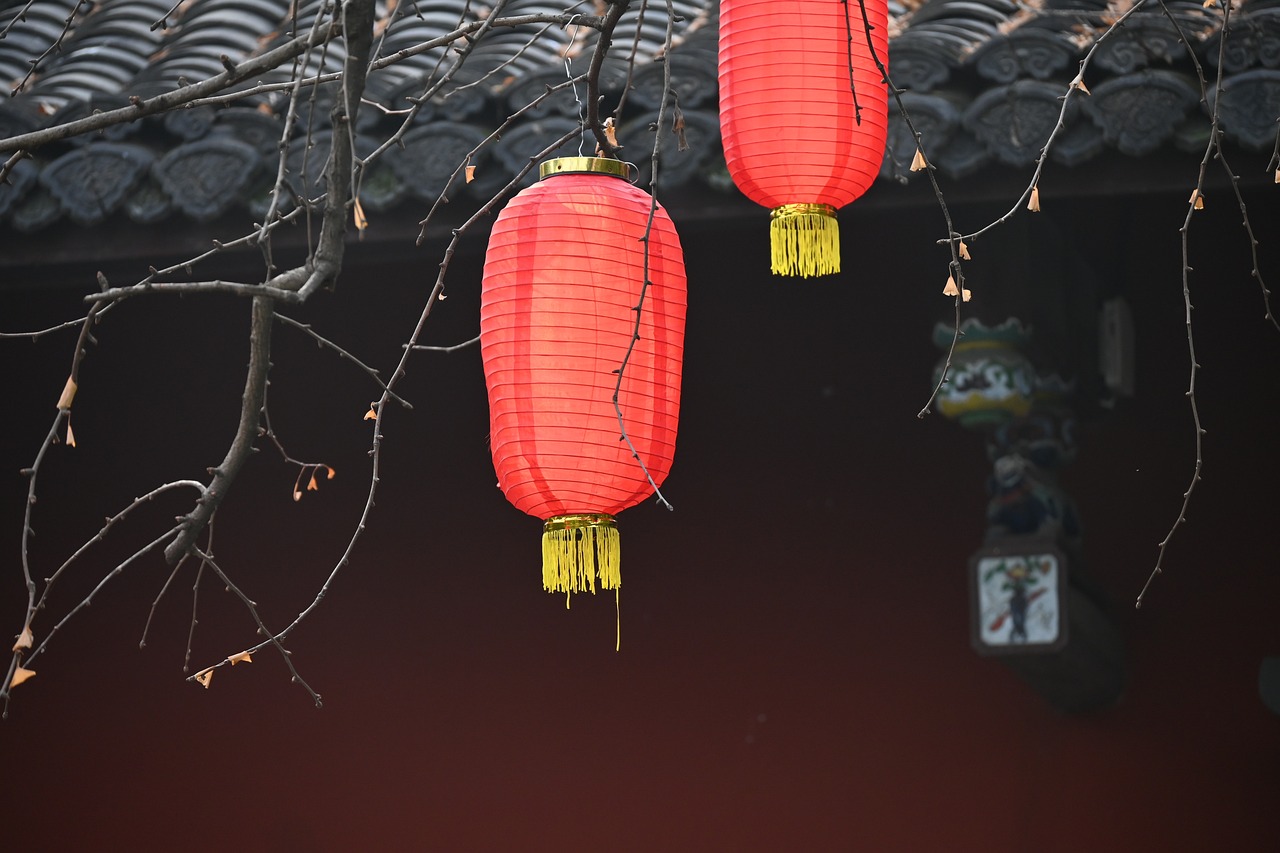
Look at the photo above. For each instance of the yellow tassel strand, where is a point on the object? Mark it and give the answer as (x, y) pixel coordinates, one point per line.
(578, 549)
(804, 240)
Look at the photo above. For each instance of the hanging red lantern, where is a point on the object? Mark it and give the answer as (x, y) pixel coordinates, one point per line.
(567, 326)
(803, 116)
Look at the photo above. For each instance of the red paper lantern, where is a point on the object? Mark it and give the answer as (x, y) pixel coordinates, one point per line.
(563, 287)
(803, 116)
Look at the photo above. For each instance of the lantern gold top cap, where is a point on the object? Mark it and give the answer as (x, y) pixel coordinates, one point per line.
(570, 165)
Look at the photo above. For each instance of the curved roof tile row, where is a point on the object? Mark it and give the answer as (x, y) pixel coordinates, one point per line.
(983, 81)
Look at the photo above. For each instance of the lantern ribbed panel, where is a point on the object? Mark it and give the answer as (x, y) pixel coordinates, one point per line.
(786, 105)
(562, 275)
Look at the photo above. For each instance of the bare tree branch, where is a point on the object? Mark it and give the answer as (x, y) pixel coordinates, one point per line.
(141, 108)
(246, 433)
(607, 26)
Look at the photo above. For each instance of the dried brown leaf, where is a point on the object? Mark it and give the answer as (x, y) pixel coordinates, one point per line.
(951, 289)
(68, 394)
(71, 436)
(20, 675)
(678, 126)
(1034, 204)
(358, 211)
(611, 131)
(964, 251)
(371, 415)
(204, 676)
(331, 472)
(967, 294)
(1196, 200)
(242, 657)
(312, 485)
(918, 163)
(471, 174)
(1079, 84)
(25, 640)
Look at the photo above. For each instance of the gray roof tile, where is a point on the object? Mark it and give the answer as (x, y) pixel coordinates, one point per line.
(983, 79)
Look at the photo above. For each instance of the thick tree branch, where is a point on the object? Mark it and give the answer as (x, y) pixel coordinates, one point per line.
(255, 389)
(341, 176)
(607, 26)
(323, 270)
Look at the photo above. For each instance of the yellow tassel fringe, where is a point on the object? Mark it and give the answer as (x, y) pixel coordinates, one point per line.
(577, 550)
(804, 240)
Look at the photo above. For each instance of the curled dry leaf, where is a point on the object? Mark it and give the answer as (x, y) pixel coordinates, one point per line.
(1034, 204)
(68, 394)
(297, 495)
(918, 163)
(471, 174)
(25, 640)
(967, 294)
(371, 415)
(964, 251)
(951, 289)
(1278, 176)
(331, 472)
(678, 126)
(611, 132)
(312, 486)
(358, 211)
(20, 675)
(242, 657)
(1079, 84)
(203, 677)
(71, 436)
(1196, 200)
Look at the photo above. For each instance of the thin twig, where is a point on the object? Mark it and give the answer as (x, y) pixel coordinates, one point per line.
(954, 240)
(140, 108)
(442, 197)
(252, 607)
(646, 239)
(1212, 148)
(1077, 84)
(88, 599)
(151, 614)
(448, 349)
(322, 341)
(55, 47)
(195, 601)
(232, 288)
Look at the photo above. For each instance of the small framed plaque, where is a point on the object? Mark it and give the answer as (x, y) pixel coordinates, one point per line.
(1017, 597)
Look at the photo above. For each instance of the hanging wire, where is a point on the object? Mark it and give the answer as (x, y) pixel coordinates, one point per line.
(577, 99)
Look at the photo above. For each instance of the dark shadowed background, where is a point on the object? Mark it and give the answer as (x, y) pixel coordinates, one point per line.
(795, 670)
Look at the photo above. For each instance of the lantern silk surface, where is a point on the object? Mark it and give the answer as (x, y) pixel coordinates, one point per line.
(789, 72)
(562, 279)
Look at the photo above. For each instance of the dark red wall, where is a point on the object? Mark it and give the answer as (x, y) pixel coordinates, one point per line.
(795, 671)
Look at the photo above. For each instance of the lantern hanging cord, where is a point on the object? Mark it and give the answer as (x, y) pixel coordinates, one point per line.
(848, 47)
(582, 110)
